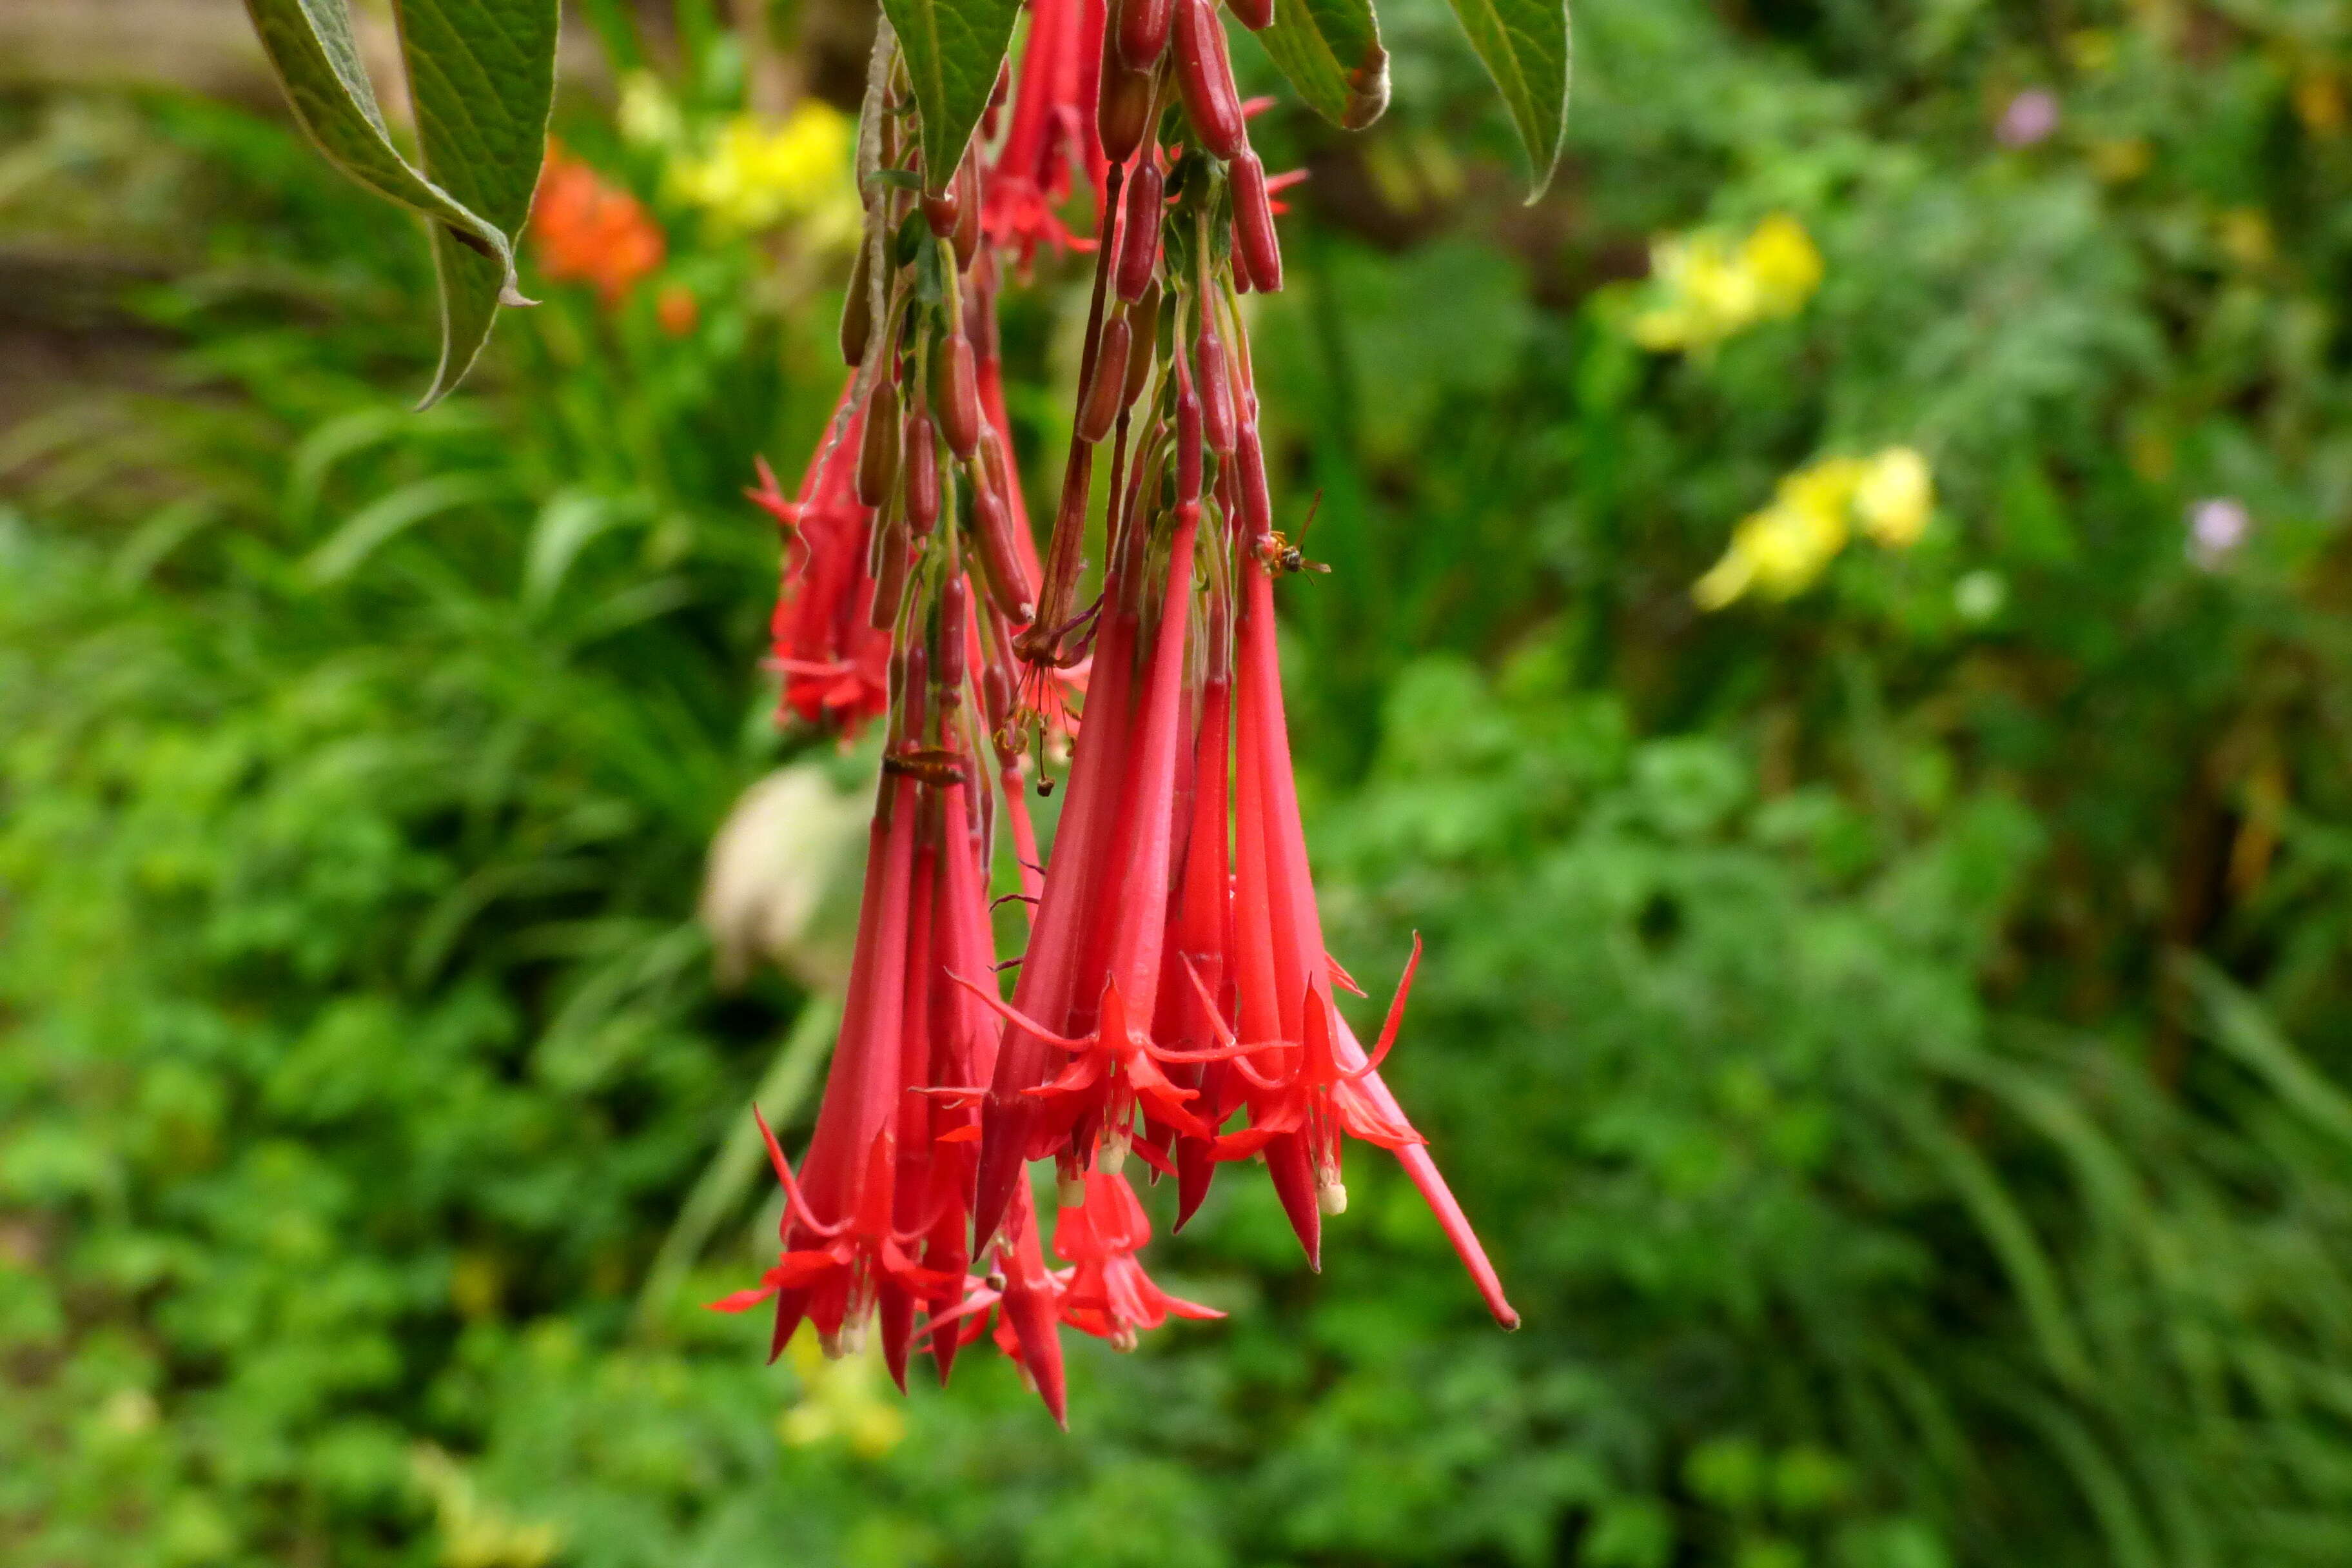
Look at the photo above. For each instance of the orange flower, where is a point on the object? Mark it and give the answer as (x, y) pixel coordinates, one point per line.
(587, 231)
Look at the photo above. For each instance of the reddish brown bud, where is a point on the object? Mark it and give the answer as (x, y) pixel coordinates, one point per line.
(1254, 240)
(1138, 237)
(954, 600)
(858, 309)
(1142, 336)
(967, 224)
(1143, 31)
(1257, 16)
(1258, 507)
(1123, 111)
(1100, 404)
(941, 209)
(1205, 75)
(877, 456)
(1000, 561)
(1218, 421)
(955, 394)
(1188, 446)
(889, 575)
(921, 457)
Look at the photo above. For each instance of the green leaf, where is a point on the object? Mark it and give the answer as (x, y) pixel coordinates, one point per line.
(953, 49)
(482, 75)
(1331, 50)
(1525, 46)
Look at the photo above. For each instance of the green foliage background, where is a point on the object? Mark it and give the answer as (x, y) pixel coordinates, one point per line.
(1896, 1054)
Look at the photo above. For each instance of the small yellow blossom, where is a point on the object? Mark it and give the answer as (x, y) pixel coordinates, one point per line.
(1782, 550)
(649, 116)
(1708, 288)
(1894, 497)
(2319, 103)
(841, 1401)
(758, 174)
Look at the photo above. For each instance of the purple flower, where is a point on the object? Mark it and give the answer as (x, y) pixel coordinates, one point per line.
(2216, 526)
(2030, 117)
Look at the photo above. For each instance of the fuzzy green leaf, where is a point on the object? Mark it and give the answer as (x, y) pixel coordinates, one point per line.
(953, 49)
(1525, 46)
(1331, 50)
(482, 73)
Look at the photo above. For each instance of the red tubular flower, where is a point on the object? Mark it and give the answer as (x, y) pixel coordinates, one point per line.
(1025, 1298)
(1052, 134)
(1107, 1294)
(834, 662)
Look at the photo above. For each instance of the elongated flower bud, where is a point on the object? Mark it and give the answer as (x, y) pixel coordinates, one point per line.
(941, 209)
(954, 599)
(1218, 422)
(878, 459)
(955, 394)
(967, 223)
(858, 309)
(1257, 16)
(1143, 31)
(1258, 506)
(921, 457)
(1188, 448)
(1253, 238)
(1138, 237)
(889, 574)
(1000, 559)
(1205, 76)
(1122, 111)
(1142, 336)
(1100, 404)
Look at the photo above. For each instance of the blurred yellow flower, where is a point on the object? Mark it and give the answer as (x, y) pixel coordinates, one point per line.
(1894, 496)
(2121, 161)
(649, 116)
(1782, 550)
(1708, 288)
(841, 1401)
(759, 174)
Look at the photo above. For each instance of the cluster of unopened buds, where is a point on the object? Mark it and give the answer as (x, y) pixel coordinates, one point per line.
(1175, 1000)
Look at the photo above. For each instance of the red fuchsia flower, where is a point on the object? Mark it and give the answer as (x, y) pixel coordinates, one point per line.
(1108, 1293)
(1052, 136)
(1019, 1304)
(834, 660)
(877, 1220)
(587, 230)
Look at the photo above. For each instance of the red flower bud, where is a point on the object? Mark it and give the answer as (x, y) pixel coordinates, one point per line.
(942, 207)
(1188, 448)
(921, 457)
(1258, 507)
(1217, 417)
(1257, 16)
(858, 309)
(954, 600)
(1101, 403)
(1000, 558)
(1205, 75)
(878, 458)
(967, 223)
(1143, 31)
(1138, 237)
(1142, 335)
(955, 394)
(1123, 111)
(1254, 241)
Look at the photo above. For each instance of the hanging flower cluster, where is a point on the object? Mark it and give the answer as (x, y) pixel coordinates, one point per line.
(1175, 1002)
